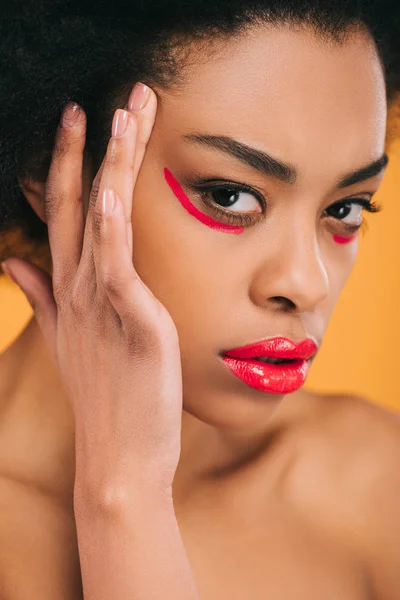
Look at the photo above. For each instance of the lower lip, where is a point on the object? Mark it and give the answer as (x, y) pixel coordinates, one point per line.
(269, 378)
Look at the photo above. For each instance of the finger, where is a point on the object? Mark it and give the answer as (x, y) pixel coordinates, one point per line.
(117, 174)
(86, 269)
(63, 195)
(116, 273)
(143, 103)
(124, 157)
(37, 286)
(119, 157)
(120, 167)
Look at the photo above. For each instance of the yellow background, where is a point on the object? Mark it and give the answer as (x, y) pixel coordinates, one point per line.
(360, 353)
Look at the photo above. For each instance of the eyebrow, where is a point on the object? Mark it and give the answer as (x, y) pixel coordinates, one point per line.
(267, 165)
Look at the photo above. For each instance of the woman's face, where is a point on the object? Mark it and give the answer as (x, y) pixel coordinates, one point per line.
(320, 108)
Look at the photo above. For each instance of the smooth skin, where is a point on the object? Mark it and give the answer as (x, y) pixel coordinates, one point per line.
(247, 495)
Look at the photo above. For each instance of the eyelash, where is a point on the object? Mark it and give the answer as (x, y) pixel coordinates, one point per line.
(368, 205)
(247, 219)
(232, 218)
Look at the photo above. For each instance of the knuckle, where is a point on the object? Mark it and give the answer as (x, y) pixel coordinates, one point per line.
(113, 281)
(144, 338)
(140, 339)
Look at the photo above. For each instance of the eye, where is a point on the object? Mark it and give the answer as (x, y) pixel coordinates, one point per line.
(350, 211)
(235, 199)
(234, 203)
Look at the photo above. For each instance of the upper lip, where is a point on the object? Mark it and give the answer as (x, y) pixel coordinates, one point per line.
(277, 347)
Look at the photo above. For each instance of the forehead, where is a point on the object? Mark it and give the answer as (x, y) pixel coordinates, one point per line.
(288, 91)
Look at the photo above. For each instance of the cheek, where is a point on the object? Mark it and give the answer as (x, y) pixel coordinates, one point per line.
(340, 259)
(175, 258)
(192, 210)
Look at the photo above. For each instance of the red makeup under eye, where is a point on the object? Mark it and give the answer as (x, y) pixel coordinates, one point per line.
(210, 222)
(192, 210)
(344, 240)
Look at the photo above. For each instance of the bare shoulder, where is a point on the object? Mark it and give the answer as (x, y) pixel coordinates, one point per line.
(370, 426)
(354, 464)
(351, 424)
(378, 524)
(360, 441)
(347, 460)
(38, 547)
(371, 434)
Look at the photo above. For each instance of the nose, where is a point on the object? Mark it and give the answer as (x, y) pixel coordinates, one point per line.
(294, 277)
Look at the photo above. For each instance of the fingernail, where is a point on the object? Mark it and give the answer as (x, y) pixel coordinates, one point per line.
(70, 114)
(139, 96)
(120, 122)
(8, 272)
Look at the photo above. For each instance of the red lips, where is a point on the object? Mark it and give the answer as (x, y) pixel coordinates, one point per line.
(278, 347)
(281, 378)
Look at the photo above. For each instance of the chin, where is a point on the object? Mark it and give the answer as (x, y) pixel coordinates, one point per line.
(227, 410)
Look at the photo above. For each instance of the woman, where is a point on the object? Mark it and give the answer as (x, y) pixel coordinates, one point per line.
(156, 441)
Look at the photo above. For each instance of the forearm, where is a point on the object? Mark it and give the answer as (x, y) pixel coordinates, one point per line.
(130, 548)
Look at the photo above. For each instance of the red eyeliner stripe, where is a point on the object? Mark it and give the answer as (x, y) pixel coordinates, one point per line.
(344, 240)
(184, 200)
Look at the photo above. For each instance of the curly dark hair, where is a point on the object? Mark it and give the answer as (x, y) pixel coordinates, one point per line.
(53, 51)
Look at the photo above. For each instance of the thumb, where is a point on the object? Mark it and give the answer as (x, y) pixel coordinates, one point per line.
(38, 289)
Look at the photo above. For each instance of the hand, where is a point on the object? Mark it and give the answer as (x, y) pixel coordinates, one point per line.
(114, 343)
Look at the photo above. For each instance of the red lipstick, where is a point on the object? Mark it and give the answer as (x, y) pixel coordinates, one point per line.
(184, 200)
(285, 374)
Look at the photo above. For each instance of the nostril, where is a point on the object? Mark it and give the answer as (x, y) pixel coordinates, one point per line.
(283, 302)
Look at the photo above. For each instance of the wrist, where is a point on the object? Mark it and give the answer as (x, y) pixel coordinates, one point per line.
(108, 475)
(110, 498)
